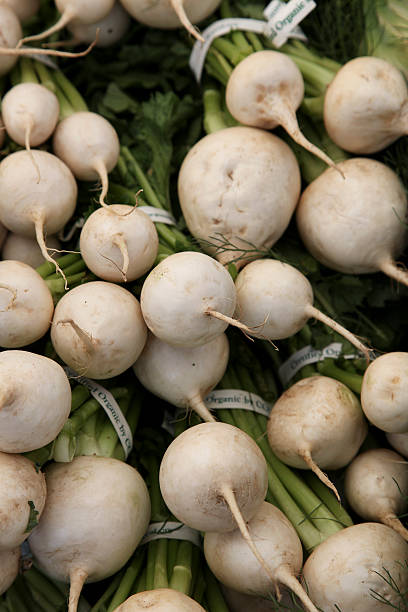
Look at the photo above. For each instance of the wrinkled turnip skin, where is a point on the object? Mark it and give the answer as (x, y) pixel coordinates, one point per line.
(26, 250)
(366, 105)
(321, 415)
(242, 183)
(97, 511)
(343, 569)
(160, 600)
(9, 567)
(110, 29)
(11, 33)
(199, 462)
(160, 13)
(86, 11)
(178, 291)
(384, 392)
(20, 482)
(357, 223)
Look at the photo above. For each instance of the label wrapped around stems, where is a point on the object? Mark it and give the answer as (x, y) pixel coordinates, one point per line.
(111, 407)
(284, 17)
(158, 215)
(171, 530)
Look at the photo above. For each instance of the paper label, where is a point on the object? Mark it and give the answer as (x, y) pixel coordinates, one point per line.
(43, 59)
(237, 399)
(111, 407)
(283, 19)
(65, 237)
(308, 355)
(158, 215)
(171, 530)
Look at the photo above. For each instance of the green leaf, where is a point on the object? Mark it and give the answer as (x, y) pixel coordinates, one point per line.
(32, 519)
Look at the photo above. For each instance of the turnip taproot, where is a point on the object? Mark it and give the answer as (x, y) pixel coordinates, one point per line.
(26, 250)
(183, 376)
(110, 29)
(356, 224)
(22, 488)
(241, 184)
(376, 487)
(35, 400)
(362, 568)
(264, 90)
(9, 568)
(366, 105)
(160, 600)
(97, 511)
(384, 392)
(98, 329)
(233, 563)
(317, 423)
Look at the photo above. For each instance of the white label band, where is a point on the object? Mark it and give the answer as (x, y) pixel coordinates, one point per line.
(283, 19)
(237, 399)
(158, 215)
(111, 407)
(171, 530)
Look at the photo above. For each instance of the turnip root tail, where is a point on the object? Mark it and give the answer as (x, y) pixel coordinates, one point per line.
(393, 521)
(307, 458)
(320, 316)
(197, 404)
(39, 233)
(229, 497)
(390, 268)
(65, 18)
(285, 577)
(181, 14)
(77, 579)
(31, 50)
(100, 167)
(286, 117)
(29, 127)
(85, 338)
(120, 242)
(218, 315)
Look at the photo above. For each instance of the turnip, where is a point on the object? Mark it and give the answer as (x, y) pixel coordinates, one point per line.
(24, 9)
(26, 305)
(233, 564)
(160, 600)
(188, 299)
(22, 490)
(119, 243)
(183, 376)
(110, 29)
(169, 14)
(35, 400)
(356, 224)
(32, 207)
(3, 234)
(98, 329)
(275, 300)
(384, 397)
(97, 511)
(89, 145)
(366, 105)
(317, 423)
(11, 33)
(26, 250)
(399, 441)
(9, 567)
(213, 477)
(242, 184)
(359, 569)
(376, 487)
(264, 90)
(90, 11)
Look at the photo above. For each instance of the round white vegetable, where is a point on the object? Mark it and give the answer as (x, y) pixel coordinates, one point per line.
(9, 568)
(21, 485)
(384, 392)
(183, 376)
(26, 250)
(98, 329)
(358, 569)
(366, 209)
(317, 423)
(160, 600)
(35, 401)
(399, 442)
(11, 34)
(366, 105)
(119, 243)
(26, 305)
(24, 9)
(110, 29)
(238, 189)
(97, 511)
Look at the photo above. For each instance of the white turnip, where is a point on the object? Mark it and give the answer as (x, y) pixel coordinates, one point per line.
(241, 184)
(384, 392)
(98, 329)
(160, 600)
(35, 400)
(376, 487)
(22, 489)
(24, 9)
(183, 376)
(26, 250)
(359, 569)
(356, 224)
(399, 441)
(110, 29)
(233, 563)
(366, 105)
(11, 33)
(317, 423)
(119, 243)
(97, 511)
(264, 90)
(26, 305)
(9, 568)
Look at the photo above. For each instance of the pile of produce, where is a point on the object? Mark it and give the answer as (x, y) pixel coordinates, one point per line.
(203, 298)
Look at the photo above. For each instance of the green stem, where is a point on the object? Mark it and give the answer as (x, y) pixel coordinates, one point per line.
(148, 191)
(79, 395)
(124, 589)
(328, 498)
(213, 117)
(151, 563)
(160, 568)
(328, 367)
(28, 74)
(41, 584)
(214, 596)
(48, 269)
(172, 550)
(181, 577)
(75, 99)
(99, 606)
(70, 270)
